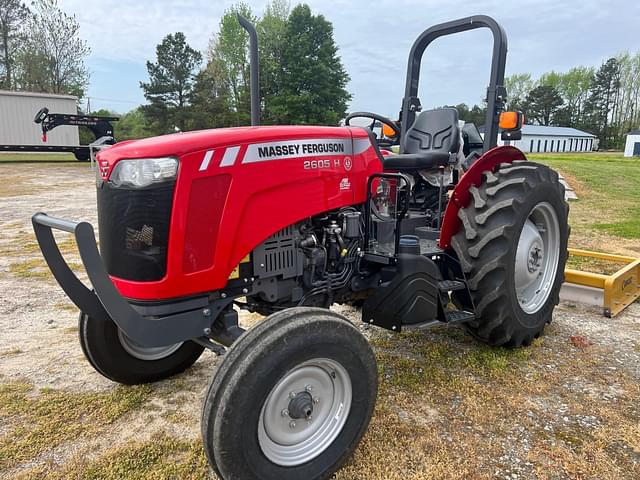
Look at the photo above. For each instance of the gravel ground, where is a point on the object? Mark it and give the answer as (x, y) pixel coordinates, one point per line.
(567, 407)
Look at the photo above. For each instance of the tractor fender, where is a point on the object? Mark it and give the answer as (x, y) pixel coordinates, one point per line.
(472, 177)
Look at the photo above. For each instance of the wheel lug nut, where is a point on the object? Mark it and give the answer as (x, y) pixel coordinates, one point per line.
(292, 424)
(292, 394)
(285, 413)
(308, 388)
(316, 400)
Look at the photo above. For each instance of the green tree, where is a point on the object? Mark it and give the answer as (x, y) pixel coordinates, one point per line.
(476, 114)
(603, 101)
(86, 135)
(627, 116)
(228, 61)
(132, 125)
(13, 15)
(551, 79)
(313, 87)
(51, 57)
(210, 101)
(574, 88)
(272, 29)
(543, 104)
(518, 87)
(170, 85)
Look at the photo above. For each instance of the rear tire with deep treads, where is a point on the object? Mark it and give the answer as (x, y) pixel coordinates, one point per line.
(500, 209)
(114, 357)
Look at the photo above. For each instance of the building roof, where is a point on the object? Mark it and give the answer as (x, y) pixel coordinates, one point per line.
(554, 131)
(634, 132)
(11, 93)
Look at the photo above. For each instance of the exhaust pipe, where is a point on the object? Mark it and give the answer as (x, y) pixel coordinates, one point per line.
(254, 69)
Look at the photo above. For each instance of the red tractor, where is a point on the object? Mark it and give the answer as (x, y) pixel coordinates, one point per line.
(288, 220)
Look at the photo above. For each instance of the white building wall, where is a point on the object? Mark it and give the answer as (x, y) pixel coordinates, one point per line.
(631, 141)
(17, 110)
(555, 143)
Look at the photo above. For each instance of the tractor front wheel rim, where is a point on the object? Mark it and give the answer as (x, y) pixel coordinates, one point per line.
(537, 256)
(146, 353)
(305, 412)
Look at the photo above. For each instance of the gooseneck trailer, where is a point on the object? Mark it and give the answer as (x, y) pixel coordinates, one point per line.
(101, 127)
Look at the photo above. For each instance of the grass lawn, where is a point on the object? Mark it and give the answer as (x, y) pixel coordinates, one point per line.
(448, 407)
(606, 216)
(36, 157)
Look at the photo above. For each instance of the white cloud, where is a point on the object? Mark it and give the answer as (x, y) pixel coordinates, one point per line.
(375, 37)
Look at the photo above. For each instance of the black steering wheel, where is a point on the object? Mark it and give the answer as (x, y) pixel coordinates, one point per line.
(382, 142)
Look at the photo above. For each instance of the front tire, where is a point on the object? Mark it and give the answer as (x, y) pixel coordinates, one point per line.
(82, 155)
(291, 398)
(512, 246)
(120, 359)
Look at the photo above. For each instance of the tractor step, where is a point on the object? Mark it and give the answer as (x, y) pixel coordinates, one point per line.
(458, 316)
(451, 317)
(420, 326)
(451, 285)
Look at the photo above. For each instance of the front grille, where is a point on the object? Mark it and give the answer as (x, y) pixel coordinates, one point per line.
(134, 230)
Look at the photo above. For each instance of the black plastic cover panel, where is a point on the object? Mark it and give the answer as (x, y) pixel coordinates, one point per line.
(410, 297)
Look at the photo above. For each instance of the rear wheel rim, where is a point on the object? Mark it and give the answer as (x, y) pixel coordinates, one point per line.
(537, 257)
(287, 439)
(146, 353)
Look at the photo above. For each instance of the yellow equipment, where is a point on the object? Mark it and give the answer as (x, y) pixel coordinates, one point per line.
(620, 289)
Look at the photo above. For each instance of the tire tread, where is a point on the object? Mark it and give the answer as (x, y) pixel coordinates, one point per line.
(492, 217)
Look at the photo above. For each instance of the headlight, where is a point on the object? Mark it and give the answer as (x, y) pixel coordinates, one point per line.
(143, 172)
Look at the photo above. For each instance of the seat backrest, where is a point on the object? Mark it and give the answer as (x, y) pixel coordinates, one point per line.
(434, 131)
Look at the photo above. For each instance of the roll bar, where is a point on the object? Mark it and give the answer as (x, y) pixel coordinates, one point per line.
(496, 92)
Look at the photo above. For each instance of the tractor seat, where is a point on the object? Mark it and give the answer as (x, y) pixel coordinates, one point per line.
(432, 141)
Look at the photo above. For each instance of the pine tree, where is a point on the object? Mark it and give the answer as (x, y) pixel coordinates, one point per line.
(543, 104)
(170, 84)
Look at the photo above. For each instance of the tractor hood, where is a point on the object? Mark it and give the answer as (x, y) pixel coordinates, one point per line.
(181, 144)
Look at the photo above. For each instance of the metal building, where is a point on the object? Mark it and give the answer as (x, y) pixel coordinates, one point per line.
(537, 138)
(632, 146)
(18, 109)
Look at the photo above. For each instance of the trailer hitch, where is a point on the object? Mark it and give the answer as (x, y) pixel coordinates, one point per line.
(105, 303)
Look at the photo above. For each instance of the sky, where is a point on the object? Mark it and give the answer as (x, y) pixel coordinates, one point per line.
(374, 39)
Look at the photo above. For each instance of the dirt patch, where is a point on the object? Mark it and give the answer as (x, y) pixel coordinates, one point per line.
(594, 265)
(602, 242)
(580, 188)
(448, 408)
